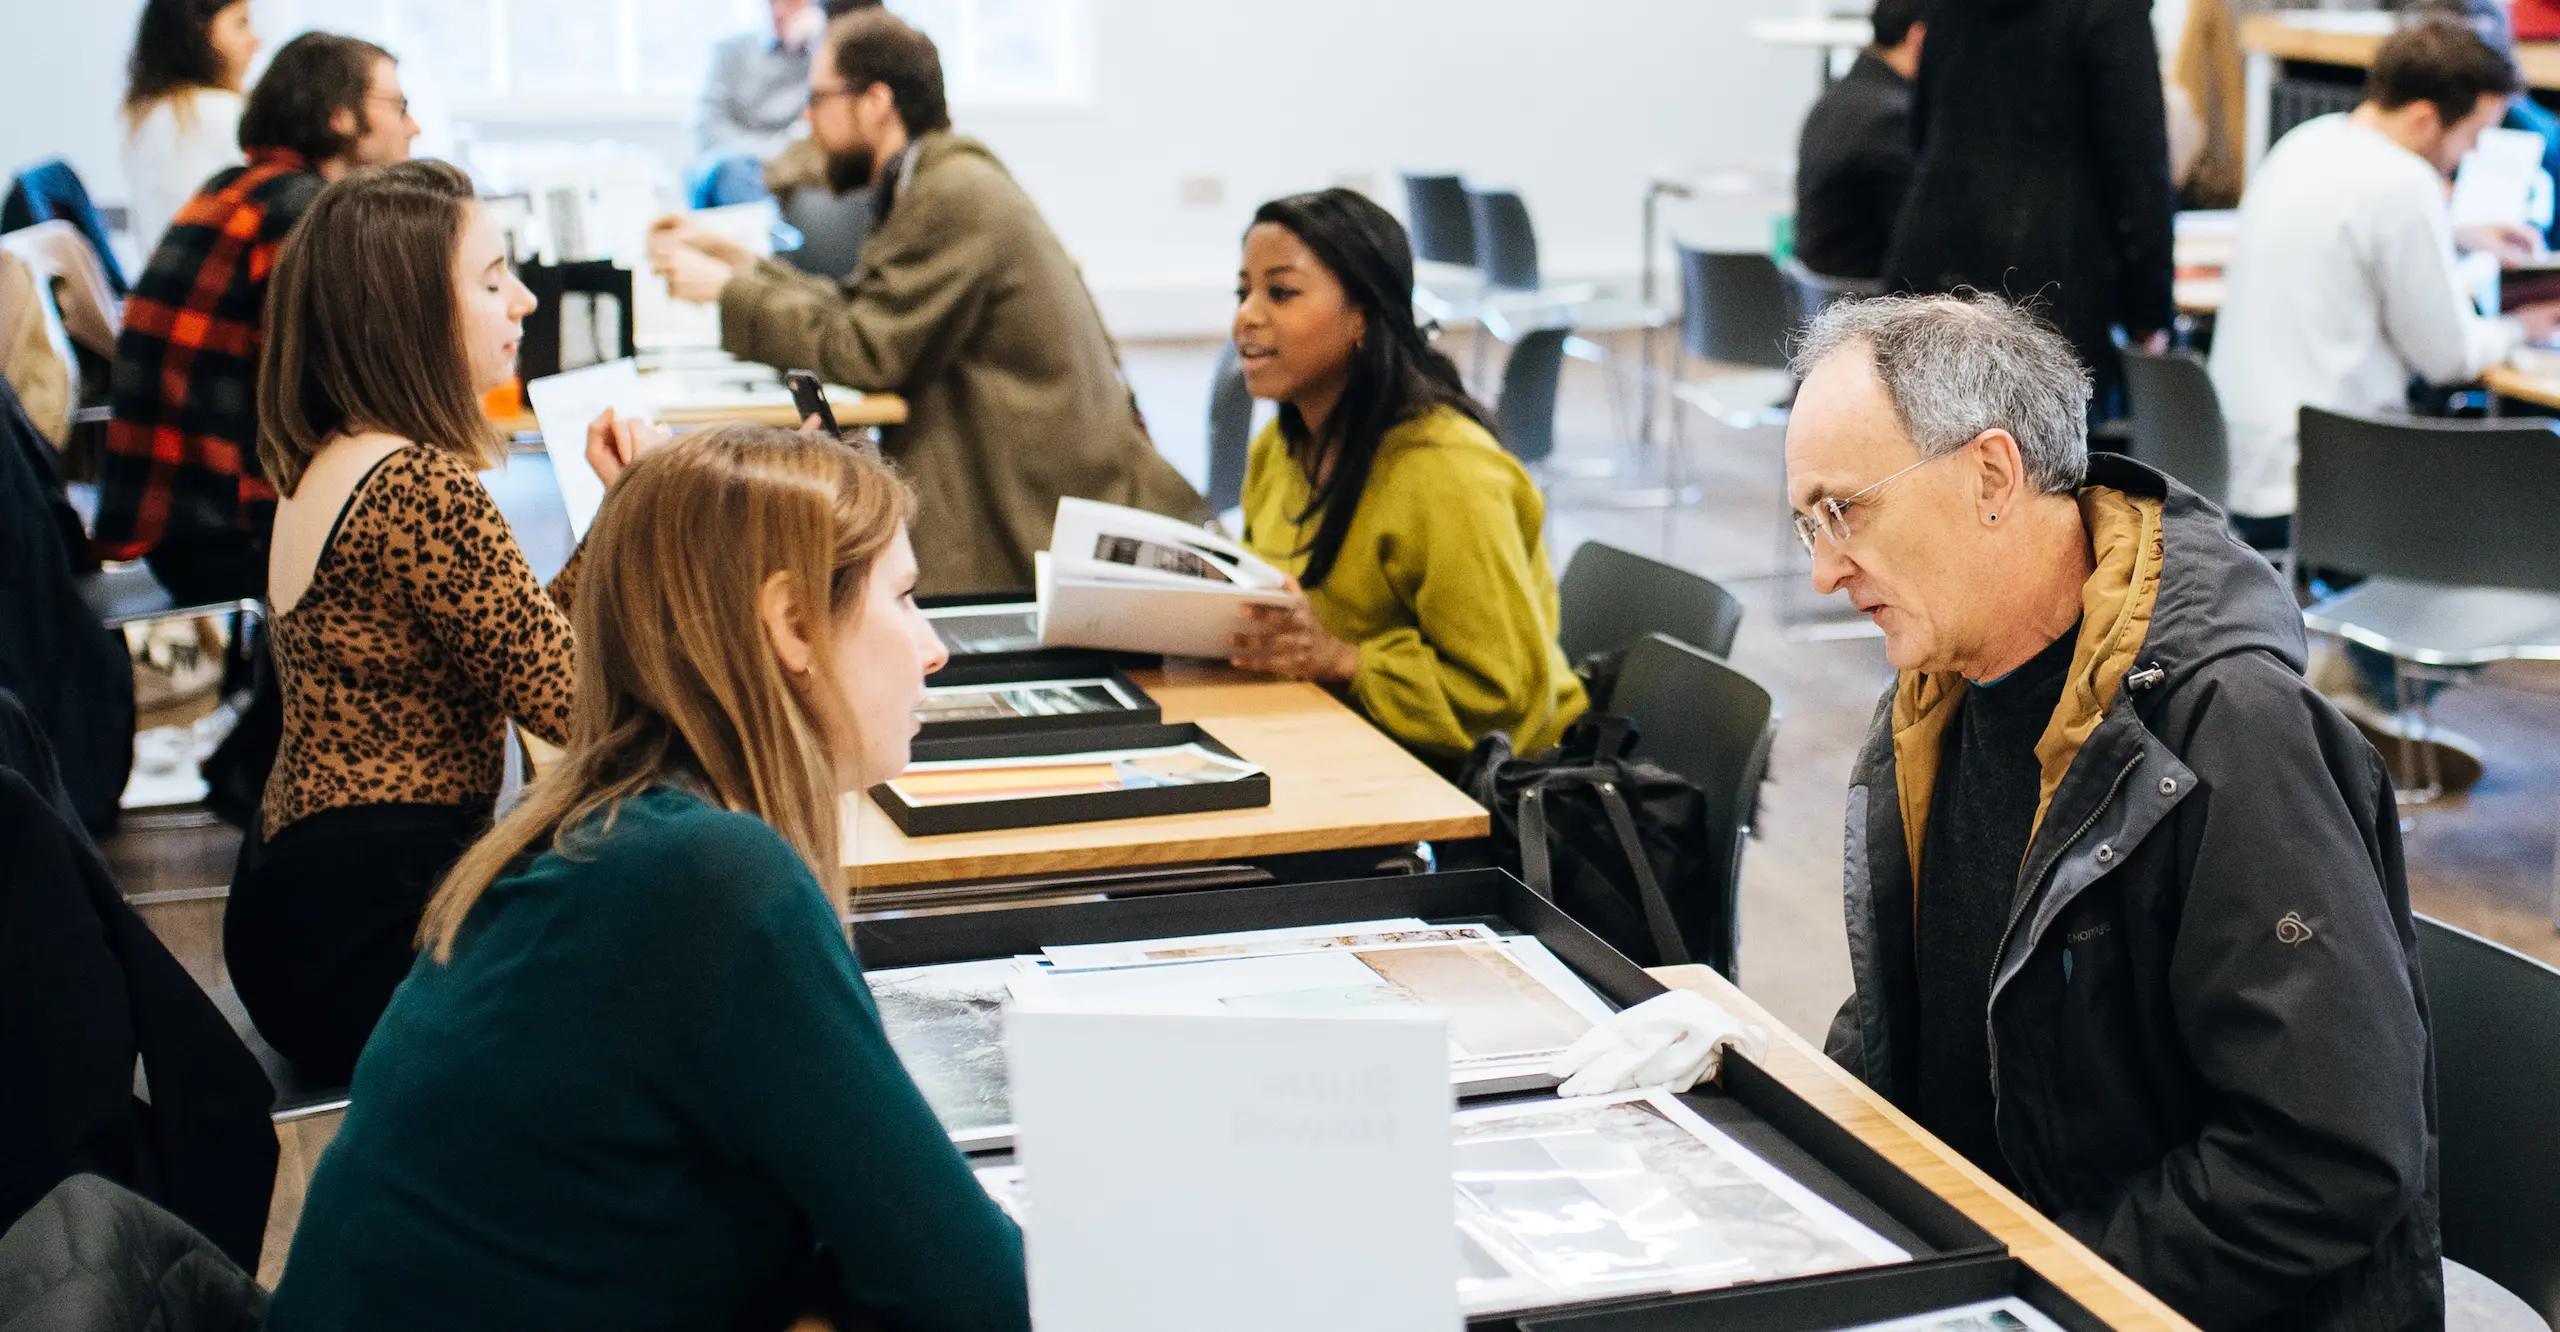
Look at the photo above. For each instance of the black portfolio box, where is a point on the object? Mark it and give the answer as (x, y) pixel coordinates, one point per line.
(1749, 1105)
(1040, 811)
(996, 672)
(1829, 1303)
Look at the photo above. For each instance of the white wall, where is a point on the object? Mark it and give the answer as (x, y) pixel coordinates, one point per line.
(1573, 104)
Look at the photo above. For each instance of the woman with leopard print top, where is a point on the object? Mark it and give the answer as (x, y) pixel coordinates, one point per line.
(408, 627)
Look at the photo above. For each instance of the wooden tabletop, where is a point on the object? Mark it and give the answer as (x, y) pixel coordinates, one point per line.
(2523, 385)
(2274, 35)
(2041, 1244)
(1336, 783)
(851, 408)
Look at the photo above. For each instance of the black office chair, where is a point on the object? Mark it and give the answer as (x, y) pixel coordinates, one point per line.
(2451, 523)
(540, 351)
(1710, 723)
(1524, 415)
(2177, 420)
(1734, 309)
(1440, 220)
(2496, 1020)
(1230, 431)
(1506, 244)
(1612, 598)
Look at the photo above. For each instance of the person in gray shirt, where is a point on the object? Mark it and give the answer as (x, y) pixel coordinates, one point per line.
(757, 87)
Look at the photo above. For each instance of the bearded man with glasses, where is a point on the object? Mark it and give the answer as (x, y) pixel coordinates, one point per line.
(2125, 899)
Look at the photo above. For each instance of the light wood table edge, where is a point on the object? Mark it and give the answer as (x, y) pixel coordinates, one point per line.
(2084, 1276)
(2509, 382)
(1173, 848)
(2272, 35)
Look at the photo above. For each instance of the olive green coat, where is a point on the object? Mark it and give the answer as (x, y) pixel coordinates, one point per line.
(966, 305)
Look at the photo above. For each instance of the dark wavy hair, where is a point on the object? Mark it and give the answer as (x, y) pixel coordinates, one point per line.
(172, 51)
(1396, 374)
(309, 80)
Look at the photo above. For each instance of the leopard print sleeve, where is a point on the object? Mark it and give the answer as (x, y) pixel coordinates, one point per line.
(468, 583)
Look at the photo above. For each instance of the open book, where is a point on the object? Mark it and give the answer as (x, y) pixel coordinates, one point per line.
(1131, 581)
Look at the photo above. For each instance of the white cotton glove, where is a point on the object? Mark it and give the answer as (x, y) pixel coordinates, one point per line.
(1671, 1040)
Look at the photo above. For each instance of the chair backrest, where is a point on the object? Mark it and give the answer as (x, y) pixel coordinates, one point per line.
(2177, 419)
(51, 189)
(2463, 502)
(832, 228)
(1810, 293)
(1611, 598)
(1506, 245)
(1524, 415)
(1734, 309)
(2495, 1014)
(1712, 724)
(1230, 431)
(1441, 221)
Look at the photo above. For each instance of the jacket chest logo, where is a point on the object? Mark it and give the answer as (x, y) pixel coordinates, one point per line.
(2291, 929)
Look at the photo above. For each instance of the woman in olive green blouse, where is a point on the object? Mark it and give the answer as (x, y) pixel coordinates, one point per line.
(636, 1079)
(1418, 541)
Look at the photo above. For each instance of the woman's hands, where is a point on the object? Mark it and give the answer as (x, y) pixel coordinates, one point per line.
(613, 442)
(1289, 640)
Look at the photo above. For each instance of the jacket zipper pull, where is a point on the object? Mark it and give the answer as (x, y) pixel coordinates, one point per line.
(2145, 676)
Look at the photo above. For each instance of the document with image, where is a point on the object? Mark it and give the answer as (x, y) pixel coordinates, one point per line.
(1131, 581)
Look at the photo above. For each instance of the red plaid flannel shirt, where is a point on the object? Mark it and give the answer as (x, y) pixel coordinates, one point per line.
(182, 447)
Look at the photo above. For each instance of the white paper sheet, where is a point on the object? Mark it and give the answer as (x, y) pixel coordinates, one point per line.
(563, 405)
(2009, 1314)
(2496, 182)
(1126, 580)
(1235, 943)
(660, 322)
(1253, 1174)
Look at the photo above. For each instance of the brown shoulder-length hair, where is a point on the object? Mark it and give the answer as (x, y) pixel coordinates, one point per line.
(364, 323)
(676, 681)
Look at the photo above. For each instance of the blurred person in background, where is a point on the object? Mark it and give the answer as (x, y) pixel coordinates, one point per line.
(182, 101)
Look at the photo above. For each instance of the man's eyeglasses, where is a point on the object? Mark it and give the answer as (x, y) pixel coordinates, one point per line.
(1830, 516)
(399, 104)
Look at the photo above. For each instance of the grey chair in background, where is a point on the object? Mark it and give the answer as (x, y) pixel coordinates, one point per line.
(1440, 219)
(1524, 412)
(2450, 524)
(832, 228)
(2177, 420)
(1810, 293)
(2495, 1014)
(1230, 431)
(1736, 316)
(1506, 243)
(1611, 598)
(1706, 721)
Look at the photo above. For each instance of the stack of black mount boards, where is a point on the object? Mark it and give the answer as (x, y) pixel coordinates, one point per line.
(1018, 736)
(1737, 1206)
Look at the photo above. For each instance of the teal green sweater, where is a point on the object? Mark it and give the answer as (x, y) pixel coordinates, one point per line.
(651, 1078)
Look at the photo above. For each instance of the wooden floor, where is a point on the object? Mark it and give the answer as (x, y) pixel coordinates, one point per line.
(2484, 862)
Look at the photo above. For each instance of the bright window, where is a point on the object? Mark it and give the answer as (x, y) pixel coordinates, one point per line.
(617, 59)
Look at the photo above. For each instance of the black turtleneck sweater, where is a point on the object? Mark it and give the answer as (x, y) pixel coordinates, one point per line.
(1980, 817)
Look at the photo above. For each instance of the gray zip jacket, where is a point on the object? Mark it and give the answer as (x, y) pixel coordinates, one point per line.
(2209, 1048)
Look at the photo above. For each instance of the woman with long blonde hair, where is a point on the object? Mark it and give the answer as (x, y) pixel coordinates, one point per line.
(636, 1080)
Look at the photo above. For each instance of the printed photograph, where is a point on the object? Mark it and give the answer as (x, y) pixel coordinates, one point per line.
(971, 631)
(1042, 698)
(962, 781)
(1157, 555)
(1595, 1194)
(947, 1025)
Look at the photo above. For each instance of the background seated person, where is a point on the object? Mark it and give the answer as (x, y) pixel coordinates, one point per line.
(178, 485)
(755, 92)
(637, 1075)
(964, 303)
(1419, 542)
(182, 105)
(407, 627)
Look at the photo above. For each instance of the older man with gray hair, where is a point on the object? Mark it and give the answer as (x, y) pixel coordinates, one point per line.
(2125, 899)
